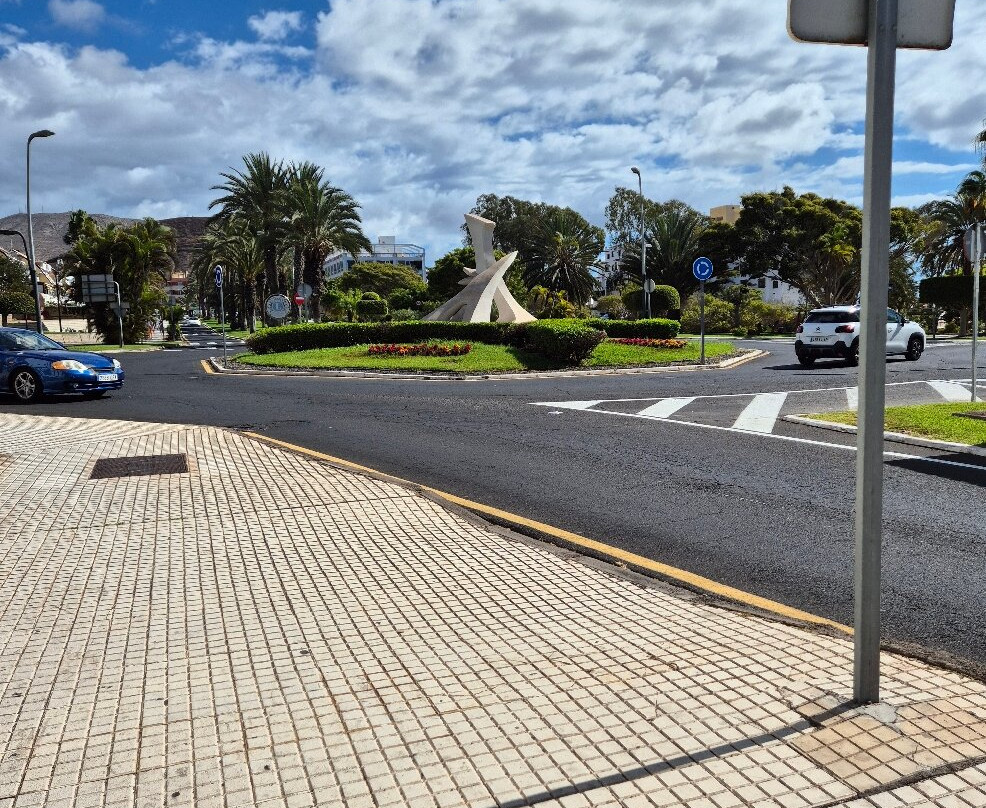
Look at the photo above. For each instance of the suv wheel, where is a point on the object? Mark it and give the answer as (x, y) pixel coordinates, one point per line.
(915, 347)
(806, 359)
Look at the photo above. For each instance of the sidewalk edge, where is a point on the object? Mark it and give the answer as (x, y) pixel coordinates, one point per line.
(581, 544)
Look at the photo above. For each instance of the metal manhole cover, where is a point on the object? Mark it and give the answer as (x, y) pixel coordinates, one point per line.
(139, 466)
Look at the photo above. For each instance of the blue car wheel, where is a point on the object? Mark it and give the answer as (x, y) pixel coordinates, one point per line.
(25, 384)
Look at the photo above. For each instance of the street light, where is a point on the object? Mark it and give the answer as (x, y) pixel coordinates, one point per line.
(643, 242)
(30, 230)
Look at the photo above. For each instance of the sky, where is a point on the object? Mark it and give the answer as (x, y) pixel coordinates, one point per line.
(417, 107)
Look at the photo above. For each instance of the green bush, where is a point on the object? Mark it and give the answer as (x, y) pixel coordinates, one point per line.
(758, 317)
(655, 328)
(370, 307)
(310, 336)
(567, 341)
(398, 315)
(741, 332)
(664, 299)
(613, 306)
(633, 300)
(718, 315)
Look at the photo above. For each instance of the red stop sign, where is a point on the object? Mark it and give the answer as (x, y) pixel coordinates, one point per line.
(298, 300)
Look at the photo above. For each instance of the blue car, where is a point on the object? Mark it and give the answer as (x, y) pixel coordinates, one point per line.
(31, 366)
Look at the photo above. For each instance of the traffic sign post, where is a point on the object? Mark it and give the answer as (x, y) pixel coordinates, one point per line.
(701, 269)
(973, 244)
(222, 308)
(883, 26)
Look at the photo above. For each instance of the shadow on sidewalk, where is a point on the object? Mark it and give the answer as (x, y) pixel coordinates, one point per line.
(687, 759)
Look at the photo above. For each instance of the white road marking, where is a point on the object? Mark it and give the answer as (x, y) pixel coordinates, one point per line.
(792, 439)
(666, 407)
(852, 397)
(950, 391)
(568, 405)
(761, 413)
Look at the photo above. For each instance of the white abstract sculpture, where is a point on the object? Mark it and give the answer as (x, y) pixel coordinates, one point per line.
(484, 284)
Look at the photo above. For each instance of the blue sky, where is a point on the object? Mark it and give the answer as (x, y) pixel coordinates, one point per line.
(417, 107)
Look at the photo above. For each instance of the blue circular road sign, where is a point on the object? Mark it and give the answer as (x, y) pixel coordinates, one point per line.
(702, 268)
(219, 275)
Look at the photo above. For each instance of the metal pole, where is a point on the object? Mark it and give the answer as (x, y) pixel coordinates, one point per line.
(119, 311)
(977, 250)
(643, 244)
(222, 321)
(881, 68)
(30, 242)
(58, 291)
(701, 309)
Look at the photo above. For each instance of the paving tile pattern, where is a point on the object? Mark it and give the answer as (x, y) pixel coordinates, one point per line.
(268, 630)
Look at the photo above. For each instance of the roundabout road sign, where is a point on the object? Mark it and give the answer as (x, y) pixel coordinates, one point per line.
(278, 307)
(702, 269)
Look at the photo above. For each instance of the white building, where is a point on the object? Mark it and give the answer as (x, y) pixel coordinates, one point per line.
(385, 251)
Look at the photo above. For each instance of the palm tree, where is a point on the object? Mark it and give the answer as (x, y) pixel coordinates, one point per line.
(256, 195)
(234, 245)
(940, 250)
(320, 218)
(672, 245)
(561, 250)
(980, 142)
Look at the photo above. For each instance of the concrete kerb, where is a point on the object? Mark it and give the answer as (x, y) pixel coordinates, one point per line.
(726, 364)
(893, 437)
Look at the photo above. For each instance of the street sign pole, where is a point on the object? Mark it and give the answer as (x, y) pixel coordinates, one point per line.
(222, 308)
(977, 259)
(878, 154)
(119, 311)
(701, 309)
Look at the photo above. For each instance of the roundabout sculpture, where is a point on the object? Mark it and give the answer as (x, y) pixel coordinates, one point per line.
(484, 285)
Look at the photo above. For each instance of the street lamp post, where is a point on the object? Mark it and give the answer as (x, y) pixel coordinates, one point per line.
(30, 231)
(643, 242)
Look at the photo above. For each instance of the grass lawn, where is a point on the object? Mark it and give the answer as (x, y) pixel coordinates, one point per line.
(214, 324)
(481, 359)
(935, 421)
(99, 347)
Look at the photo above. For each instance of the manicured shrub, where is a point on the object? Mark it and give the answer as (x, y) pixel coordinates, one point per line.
(718, 315)
(664, 299)
(370, 307)
(654, 328)
(567, 341)
(311, 336)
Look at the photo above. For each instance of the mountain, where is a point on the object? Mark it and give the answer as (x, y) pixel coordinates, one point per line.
(50, 230)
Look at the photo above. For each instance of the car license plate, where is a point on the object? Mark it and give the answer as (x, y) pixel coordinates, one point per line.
(818, 339)
(106, 377)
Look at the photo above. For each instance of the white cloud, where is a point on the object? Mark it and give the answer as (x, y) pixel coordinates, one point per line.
(276, 25)
(417, 107)
(85, 15)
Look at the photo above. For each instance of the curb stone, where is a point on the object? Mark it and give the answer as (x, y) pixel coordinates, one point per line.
(894, 437)
(726, 364)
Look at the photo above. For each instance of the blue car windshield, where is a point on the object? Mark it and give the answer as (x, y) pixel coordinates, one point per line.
(27, 341)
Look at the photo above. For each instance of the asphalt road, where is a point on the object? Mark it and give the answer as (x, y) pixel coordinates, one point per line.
(768, 509)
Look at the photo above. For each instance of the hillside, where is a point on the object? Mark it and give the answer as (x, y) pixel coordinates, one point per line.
(50, 230)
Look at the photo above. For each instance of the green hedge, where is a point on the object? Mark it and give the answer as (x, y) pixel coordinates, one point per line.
(567, 341)
(949, 291)
(310, 336)
(654, 328)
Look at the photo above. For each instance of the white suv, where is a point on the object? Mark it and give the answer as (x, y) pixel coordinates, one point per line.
(834, 331)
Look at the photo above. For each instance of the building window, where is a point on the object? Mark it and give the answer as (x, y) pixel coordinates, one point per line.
(762, 283)
(775, 284)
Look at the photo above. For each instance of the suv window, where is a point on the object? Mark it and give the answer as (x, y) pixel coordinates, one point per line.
(832, 317)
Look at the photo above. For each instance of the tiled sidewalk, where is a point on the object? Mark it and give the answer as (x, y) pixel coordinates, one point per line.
(265, 629)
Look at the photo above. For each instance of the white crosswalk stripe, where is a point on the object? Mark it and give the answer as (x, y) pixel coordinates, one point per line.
(666, 407)
(852, 397)
(951, 391)
(761, 414)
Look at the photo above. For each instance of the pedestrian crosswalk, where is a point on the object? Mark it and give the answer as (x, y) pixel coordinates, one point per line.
(761, 412)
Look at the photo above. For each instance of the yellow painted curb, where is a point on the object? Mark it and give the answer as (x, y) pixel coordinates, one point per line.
(598, 548)
(208, 368)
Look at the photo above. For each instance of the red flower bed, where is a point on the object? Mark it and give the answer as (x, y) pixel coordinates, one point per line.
(424, 349)
(651, 343)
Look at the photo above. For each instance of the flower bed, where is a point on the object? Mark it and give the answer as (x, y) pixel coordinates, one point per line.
(424, 349)
(649, 343)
